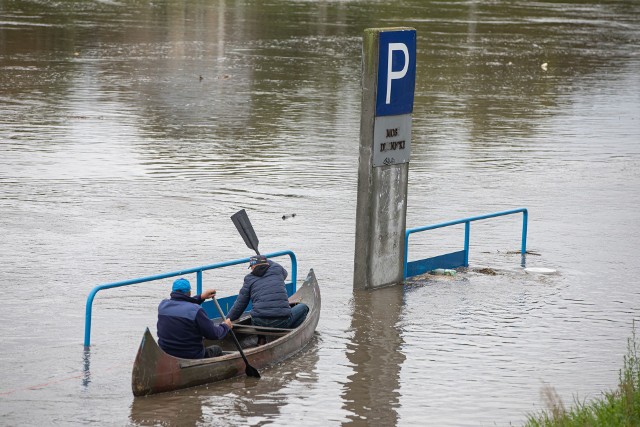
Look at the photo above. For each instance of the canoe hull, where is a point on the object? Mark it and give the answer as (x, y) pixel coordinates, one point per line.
(155, 371)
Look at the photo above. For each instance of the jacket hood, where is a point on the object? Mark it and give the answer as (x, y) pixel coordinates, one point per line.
(180, 296)
(260, 270)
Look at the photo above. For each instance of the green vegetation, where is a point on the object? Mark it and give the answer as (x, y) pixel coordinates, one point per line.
(620, 407)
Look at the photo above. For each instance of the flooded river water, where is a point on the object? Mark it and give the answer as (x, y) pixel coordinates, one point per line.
(130, 131)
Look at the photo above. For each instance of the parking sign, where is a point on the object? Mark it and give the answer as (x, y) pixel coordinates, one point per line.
(396, 72)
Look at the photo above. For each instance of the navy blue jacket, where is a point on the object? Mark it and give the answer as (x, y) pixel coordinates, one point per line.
(181, 325)
(267, 293)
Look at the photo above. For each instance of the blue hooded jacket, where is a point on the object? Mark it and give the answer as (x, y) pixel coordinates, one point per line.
(267, 293)
(182, 324)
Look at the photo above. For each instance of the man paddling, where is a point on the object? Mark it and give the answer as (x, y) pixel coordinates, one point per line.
(265, 288)
(182, 324)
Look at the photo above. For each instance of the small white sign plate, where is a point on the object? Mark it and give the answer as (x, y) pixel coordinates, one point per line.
(392, 140)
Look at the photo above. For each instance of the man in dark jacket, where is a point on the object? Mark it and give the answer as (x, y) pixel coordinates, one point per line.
(265, 288)
(182, 324)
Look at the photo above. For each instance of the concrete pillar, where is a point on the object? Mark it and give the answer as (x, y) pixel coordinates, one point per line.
(388, 84)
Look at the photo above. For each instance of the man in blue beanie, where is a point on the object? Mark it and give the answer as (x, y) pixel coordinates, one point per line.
(265, 288)
(182, 324)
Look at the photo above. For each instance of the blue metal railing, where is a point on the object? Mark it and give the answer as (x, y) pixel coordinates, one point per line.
(460, 258)
(225, 303)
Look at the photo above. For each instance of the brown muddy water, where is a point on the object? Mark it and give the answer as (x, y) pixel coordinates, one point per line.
(130, 131)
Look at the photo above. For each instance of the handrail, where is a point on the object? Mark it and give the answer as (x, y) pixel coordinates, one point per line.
(197, 270)
(467, 229)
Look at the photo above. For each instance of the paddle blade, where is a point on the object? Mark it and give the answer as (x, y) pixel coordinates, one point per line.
(242, 223)
(252, 372)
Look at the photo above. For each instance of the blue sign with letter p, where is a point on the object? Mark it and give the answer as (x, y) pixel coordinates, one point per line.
(396, 72)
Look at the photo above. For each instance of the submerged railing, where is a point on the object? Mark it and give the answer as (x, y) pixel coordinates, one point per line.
(226, 303)
(459, 258)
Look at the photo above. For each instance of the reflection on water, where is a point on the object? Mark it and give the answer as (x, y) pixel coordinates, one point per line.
(233, 401)
(167, 410)
(372, 392)
(86, 367)
(130, 132)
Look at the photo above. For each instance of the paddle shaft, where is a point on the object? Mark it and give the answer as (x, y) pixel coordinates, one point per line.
(250, 370)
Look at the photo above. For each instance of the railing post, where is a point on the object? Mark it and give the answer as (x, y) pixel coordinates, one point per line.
(523, 250)
(406, 253)
(525, 220)
(294, 273)
(199, 282)
(87, 318)
(467, 231)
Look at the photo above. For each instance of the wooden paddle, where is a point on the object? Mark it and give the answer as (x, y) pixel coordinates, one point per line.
(242, 223)
(250, 370)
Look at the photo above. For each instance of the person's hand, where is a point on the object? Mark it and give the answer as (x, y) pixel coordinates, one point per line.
(229, 324)
(209, 293)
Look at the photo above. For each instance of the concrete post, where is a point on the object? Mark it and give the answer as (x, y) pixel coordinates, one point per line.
(388, 84)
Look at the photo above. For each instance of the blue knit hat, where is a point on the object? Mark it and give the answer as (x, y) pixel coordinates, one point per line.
(181, 285)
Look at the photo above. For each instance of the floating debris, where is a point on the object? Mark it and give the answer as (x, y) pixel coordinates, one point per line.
(485, 270)
(443, 272)
(518, 253)
(288, 216)
(432, 278)
(540, 270)
(544, 67)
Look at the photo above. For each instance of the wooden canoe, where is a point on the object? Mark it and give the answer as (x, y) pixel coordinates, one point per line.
(155, 371)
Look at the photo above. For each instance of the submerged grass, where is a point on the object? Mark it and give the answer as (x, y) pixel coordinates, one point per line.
(620, 407)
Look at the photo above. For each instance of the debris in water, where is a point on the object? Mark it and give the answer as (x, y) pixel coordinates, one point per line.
(443, 272)
(486, 270)
(288, 216)
(519, 252)
(540, 270)
(544, 67)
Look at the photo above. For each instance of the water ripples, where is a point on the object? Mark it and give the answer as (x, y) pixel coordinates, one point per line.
(128, 144)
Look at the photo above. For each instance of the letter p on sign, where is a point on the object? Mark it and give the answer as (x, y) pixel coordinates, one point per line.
(396, 72)
(396, 75)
